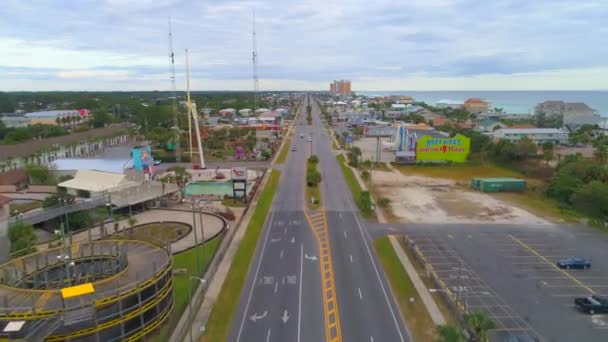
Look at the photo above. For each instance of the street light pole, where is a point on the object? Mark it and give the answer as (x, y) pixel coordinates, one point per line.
(200, 213)
(198, 268)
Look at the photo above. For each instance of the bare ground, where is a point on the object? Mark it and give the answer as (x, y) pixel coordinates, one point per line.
(435, 200)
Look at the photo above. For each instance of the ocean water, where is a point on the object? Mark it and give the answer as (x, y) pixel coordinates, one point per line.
(512, 102)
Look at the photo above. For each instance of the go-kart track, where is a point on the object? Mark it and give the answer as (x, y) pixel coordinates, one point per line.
(107, 290)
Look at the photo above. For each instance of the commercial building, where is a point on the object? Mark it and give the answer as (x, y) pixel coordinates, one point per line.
(476, 106)
(537, 135)
(574, 113)
(342, 87)
(49, 117)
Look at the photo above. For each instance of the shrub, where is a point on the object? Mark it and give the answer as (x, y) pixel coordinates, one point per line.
(383, 202)
(365, 175)
(313, 177)
(228, 214)
(313, 159)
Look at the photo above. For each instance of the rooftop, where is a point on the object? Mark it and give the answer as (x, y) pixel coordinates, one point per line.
(52, 113)
(531, 130)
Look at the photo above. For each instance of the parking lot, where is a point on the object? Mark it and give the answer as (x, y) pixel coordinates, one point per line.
(510, 273)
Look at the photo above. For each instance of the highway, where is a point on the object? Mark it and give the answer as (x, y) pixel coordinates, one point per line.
(282, 297)
(315, 275)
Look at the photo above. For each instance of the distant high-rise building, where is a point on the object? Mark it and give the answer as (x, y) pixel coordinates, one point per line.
(341, 87)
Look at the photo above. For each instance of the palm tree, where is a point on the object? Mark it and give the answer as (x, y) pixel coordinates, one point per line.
(164, 180)
(181, 178)
(58, 121)
(449, 333)
(600, 153)
(481, 324)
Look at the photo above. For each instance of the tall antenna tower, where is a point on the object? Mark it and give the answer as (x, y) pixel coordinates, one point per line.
(256, 84)
(178, 157)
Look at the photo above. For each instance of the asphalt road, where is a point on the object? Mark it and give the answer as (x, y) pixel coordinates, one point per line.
(282, 298)
(367, 309)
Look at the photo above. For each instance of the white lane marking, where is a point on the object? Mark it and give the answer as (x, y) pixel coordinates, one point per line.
(313, 258)
(276, 287)
(345, 233)
(300, 295)
(369, 253)
(281, 256)
(268, 335)
(360, 295)
(371, 339)
(351, 257)
(257, 270)
(275, 240)
(285, 317)
(293, 240)
(255, 317)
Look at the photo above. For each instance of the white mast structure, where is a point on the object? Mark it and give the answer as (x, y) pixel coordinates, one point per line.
(193, 113)
(256, 84)
(178, 157)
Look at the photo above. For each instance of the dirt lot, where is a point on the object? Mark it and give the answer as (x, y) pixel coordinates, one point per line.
(435, 200)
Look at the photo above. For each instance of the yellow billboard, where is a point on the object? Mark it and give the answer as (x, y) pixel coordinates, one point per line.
(454, 149)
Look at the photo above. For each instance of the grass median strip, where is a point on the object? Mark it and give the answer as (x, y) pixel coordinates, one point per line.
(283, 154)
(218, 326)
(361, 198)
(414, 312)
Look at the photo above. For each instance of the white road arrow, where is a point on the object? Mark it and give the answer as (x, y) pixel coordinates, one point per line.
(310, 257)
(275, 240)
(293, 239)
(256, 317)
(285, 317)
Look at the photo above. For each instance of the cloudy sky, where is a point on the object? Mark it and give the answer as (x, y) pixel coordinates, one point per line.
(379, 45)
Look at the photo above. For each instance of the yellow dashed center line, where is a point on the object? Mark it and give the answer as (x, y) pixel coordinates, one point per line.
(318, 224)
(521, 243)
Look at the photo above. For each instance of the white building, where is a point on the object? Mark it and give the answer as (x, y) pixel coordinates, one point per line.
(245, 112)
(449, 104)
(537, 135)
(15, 121)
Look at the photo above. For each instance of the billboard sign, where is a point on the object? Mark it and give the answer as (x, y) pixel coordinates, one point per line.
(377, 131)
(142, 159)
(239, 173)
(455, 149)
(349, 139)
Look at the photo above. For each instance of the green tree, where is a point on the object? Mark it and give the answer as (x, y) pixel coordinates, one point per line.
(358, 131)
(354, 155)
(592, 200)
(449, 333)
(181, 178)
(600, 153)
(365, 203)
(23, 238)
(548, 151)
(101, 119)
(481, 324)
(313, 159)
(313, 177)
(525, 148)
(39, 174)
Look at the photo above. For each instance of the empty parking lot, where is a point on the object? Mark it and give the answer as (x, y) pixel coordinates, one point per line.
(509, 271)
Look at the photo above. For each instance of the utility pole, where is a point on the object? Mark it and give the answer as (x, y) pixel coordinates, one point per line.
(178, 157)
(255, 68)
(189, 104)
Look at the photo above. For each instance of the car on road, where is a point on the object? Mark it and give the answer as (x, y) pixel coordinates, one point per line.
(575, 263)
(157, 162)
(293, 148)
(301, 135)
(592, 304)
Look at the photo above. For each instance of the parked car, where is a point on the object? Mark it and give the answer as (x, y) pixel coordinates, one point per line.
(301, 135)
(592, 304)
(569, 263)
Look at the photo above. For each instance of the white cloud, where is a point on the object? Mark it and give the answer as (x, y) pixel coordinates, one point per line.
(113, 75)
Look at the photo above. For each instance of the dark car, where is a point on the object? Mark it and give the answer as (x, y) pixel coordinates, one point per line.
(592, 304)
(569, 263)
